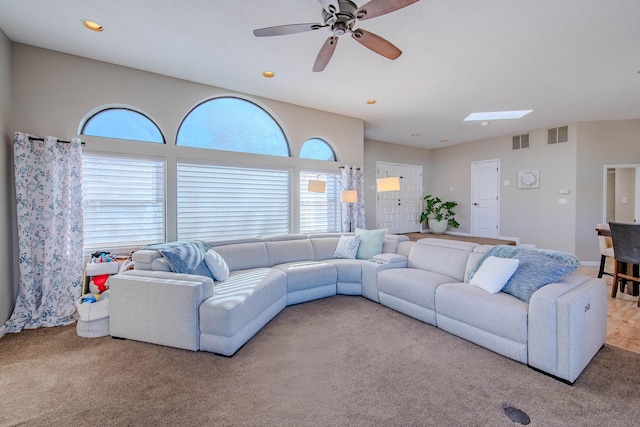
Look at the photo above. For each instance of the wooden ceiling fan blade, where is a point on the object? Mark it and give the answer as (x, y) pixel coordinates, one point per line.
(377, 44)
(282, 30)
(381, 7)
(325, 54)
(331, 6)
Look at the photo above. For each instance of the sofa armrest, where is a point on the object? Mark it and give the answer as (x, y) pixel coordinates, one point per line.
(371, 268)
(158, 307)
(567, 325)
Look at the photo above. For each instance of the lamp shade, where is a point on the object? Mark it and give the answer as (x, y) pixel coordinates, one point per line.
(391, 183)
(316, 186)
(349, 196)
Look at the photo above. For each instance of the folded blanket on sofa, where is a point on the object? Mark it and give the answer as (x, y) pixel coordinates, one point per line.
(537, 268)
(185, 257)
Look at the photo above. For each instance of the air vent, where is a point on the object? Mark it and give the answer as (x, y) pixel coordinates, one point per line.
(520, 141)
(558, 135)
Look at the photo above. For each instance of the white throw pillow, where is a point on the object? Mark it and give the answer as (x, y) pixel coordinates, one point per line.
(217, 265)
(494, 273)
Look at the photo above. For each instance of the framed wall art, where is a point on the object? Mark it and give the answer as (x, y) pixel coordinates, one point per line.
(529, 179)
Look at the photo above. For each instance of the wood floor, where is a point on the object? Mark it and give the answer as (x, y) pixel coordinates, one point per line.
(623, 314)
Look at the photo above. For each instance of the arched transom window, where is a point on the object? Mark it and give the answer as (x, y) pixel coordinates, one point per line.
(232, 124)
(122, 123)
(318, 149)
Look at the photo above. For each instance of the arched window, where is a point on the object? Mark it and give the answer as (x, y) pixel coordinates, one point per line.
(318, 149)
(232, 124)
(122, 123)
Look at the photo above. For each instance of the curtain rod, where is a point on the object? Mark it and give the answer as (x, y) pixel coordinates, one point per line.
(33, 138)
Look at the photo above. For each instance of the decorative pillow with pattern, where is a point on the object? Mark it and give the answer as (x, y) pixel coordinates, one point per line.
(347, 247)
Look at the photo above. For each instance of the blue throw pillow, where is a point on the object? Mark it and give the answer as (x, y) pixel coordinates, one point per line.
(370, 243)
(187, 258)
(536, 270)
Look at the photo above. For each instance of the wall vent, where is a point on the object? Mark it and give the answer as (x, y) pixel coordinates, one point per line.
(558, 135)
(520, 141)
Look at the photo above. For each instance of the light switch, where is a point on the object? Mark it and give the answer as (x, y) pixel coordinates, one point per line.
(564, 191)
(625, 200)
(505, 182)
(563, 200)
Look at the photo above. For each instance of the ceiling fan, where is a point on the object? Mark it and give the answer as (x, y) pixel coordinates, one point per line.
(340, 17)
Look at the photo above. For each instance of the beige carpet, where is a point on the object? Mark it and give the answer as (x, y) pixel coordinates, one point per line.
(333, 362)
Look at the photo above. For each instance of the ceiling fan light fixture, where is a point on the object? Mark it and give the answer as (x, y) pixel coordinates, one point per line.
(92, 25)
(371, 101)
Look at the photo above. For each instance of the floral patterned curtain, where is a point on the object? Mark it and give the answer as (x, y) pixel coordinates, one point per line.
(353, 213)
(48, 179)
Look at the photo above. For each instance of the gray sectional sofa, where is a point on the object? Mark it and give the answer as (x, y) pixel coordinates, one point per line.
(557, 332)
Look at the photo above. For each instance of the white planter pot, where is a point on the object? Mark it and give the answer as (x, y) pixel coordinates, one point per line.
(438, 227)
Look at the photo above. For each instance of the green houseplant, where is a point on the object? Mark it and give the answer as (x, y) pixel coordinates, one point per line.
(439, 214)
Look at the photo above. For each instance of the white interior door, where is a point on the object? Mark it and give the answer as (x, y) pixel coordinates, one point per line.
(485, 202)
(399, 211)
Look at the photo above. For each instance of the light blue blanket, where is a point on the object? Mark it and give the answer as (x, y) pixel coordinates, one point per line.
(185, 257)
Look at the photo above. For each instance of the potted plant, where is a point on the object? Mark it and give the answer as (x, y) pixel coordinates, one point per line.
(439, 214)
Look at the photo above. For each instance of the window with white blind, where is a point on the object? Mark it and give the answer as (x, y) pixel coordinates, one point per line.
(219, 202)
(320, 212)
(123, 200)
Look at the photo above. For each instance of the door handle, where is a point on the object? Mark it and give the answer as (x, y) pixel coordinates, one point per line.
(475, 204)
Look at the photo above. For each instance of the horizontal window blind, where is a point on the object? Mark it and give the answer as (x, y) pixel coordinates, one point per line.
(320, 212)
(123, 200)
(217, 202)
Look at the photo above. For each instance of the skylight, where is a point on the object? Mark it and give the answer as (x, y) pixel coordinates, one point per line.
(497, 115)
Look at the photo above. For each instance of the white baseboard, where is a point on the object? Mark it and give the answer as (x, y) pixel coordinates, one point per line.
(3, 330)
(590, 263)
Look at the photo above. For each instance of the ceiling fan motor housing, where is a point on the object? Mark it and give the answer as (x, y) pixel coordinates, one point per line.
(342, 20)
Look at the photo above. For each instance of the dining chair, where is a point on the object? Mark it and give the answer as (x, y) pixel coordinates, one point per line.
(606, 249)
(626, 247)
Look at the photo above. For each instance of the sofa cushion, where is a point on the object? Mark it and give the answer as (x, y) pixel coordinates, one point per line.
(494, 273)
(240, 299)
(347, 247)
(284, 251)
(448, 257)
(324, 247)
(308, 274)
(244, 256)
(412, 284)
(370, 243)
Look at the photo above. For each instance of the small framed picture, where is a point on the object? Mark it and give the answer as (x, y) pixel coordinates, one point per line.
(529, 179)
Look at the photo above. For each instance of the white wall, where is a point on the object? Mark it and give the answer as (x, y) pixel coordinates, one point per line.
(7, 296)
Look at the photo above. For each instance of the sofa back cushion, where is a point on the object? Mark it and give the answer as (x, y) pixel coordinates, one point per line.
(324, 247)
(448, 257)
(284, 251)
(391, 242)
(242, 256)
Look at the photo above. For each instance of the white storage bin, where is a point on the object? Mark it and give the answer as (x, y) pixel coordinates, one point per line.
(94, 317)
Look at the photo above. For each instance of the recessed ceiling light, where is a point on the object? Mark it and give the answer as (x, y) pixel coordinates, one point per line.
(268, 74)
(444, 140)
(92, 25)
(371, 101)
(484, 123)
(497, 115)
(415, 134)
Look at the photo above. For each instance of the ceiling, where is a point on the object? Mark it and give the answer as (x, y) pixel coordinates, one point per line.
(568, 61)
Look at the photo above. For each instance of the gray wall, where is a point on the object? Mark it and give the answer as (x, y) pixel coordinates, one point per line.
(535, 216)
(600, 143)
(6, 189)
